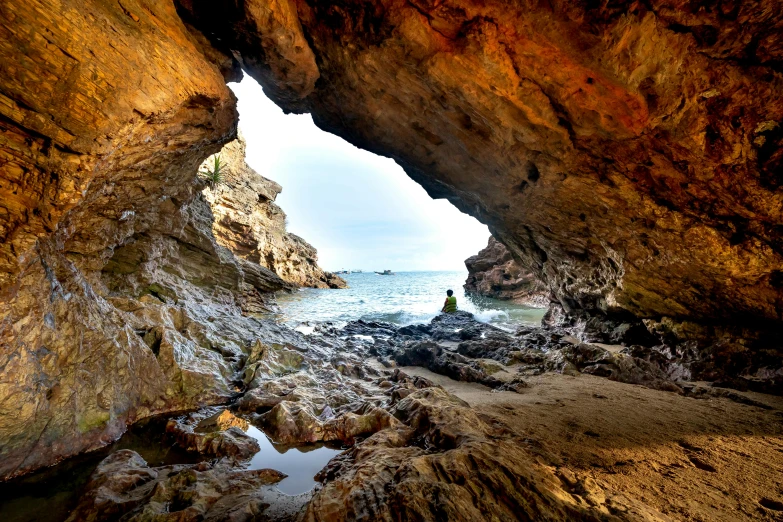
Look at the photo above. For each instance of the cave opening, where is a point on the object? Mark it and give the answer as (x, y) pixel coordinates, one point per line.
(609, 151)
(363, 214)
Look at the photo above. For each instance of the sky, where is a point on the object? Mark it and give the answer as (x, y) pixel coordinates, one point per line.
(361, 211)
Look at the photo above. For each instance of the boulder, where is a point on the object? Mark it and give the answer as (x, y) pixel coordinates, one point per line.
(494, 272)
(218, 435)
(125, 487)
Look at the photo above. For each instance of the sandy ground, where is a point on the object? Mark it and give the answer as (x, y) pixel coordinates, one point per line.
(692, 459)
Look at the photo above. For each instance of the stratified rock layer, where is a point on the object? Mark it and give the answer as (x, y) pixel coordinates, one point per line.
(494, 272)
(116, 302)
(249, 223)
(106, 110)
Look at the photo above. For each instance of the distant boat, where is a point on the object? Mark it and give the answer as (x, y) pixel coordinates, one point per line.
(357, 271)
(385, 272)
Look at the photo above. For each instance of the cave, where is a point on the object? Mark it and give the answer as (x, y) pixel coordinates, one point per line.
(625, 157)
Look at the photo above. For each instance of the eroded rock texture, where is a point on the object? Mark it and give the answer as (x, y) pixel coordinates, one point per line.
(438, 464)
(249, 223)
(494, 272)
(414, 451)
(125, 487)
(107, 110)
(116, 301)
(628, 154)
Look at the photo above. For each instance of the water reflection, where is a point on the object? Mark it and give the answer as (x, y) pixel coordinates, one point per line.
(50, 494)
(300, 463)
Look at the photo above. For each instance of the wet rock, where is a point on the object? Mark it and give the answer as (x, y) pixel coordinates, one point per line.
(433, 356)
(272, 360)
(320, 393)
(125, 487)
(457, 326)
(349, 368)
(289, 423)
(373, 328)
(498, 347)
(271, 392)
(219, 435)
(532, 350)
(347, 427)
(494, 272)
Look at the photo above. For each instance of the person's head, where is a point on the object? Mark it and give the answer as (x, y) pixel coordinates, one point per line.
(449, 292)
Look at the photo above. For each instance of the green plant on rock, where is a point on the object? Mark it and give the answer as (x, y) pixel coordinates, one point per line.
(215, 176)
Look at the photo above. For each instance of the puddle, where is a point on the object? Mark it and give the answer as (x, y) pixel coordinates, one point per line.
(300, 463)
(50, 495)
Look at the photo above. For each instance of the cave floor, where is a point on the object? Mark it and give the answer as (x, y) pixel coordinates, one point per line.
(709, 459)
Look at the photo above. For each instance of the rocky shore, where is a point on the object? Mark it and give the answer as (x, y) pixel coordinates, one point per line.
(431, 419)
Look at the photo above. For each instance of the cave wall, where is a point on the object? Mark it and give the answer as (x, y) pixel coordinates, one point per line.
(106, 111)
(626, 154)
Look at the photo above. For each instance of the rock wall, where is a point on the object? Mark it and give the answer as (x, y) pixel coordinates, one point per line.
(627, 154)
(494, 272)
(106, 109)
(116, 301)
(249, 223)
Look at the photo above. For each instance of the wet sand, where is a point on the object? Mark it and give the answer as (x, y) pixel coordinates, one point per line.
(692, 459)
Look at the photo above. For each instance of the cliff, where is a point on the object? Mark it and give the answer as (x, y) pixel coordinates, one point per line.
(249, 223)
(494, 272)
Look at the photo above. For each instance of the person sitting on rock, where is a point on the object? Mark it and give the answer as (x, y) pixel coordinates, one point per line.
(450, 306)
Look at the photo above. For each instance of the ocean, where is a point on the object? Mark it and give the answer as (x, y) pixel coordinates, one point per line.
(404, 298)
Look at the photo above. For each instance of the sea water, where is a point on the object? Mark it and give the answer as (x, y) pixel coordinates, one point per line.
(403, 298)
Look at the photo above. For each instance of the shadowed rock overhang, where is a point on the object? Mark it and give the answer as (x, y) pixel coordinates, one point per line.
(629, 156)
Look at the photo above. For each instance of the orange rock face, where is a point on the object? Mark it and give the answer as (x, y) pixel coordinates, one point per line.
(628, 156)
(106, 110)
